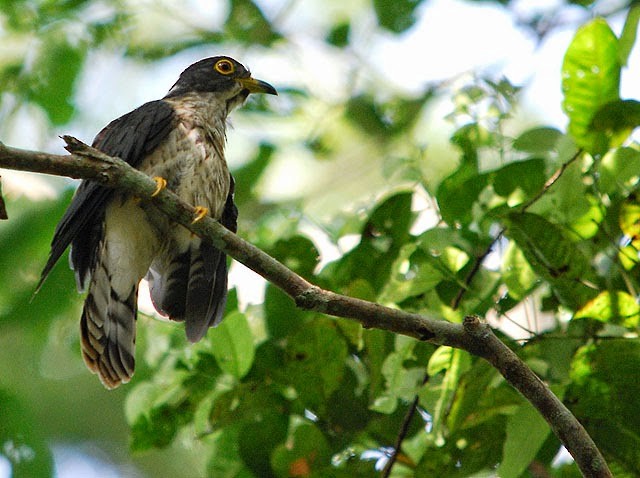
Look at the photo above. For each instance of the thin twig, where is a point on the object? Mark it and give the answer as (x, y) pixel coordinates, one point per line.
(404, 429)
(473, 336)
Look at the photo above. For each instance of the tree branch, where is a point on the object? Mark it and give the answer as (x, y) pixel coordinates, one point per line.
(474, 336)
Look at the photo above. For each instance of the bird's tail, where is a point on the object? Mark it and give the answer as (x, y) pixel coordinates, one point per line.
(108, 329)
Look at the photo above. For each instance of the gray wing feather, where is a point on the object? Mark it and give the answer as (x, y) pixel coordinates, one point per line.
(192, 286)
(130, 137)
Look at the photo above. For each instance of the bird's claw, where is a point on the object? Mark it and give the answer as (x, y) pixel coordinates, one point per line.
(161, 183)
(199, 213)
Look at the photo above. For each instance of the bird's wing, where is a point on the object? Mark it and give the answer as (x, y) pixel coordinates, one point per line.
(191, 286)
(207, 287)
(130, 137)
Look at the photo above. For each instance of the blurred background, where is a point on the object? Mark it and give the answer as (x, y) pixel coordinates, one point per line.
(308, 156)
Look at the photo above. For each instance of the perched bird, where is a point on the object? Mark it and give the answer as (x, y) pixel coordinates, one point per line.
(116, 239)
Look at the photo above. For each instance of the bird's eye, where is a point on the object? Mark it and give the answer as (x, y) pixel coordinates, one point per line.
(224, 67)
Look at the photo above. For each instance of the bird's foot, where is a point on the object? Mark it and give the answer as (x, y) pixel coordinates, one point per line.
(161, 183)
(199, 213)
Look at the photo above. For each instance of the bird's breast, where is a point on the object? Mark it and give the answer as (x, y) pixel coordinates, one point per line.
(191, 159)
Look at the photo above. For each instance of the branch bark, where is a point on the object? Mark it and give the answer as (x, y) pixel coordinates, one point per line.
(474, 336)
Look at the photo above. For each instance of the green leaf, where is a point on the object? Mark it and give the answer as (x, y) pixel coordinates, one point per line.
(538, 140)
(629, 219)
(383, 121)
(517, 274)
(21, 441)
(617, 119)
(527, 176)
(281, 315)
(56, 69)
(315, 362)
(366, 268)
(590, 79)
(629, 33)
(28, 235)
(400, 382)
(553, 257)
(458, 193)
(526, 433)
(157, 429)
(347, 407)
(307, 451)
(298, 253)
(481, 395)
(260, 438)
(339, 35)
(412, 274)
(603, 396)
(232, 344)
(454, 363)
(396, 16)
(619, 170)
(247, 24)
(365, 114)
(617, 307)
(225, 460)
(567, 200)
(249, 174)
(588, 225)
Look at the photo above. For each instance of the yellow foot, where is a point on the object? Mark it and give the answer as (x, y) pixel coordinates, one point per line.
(161, 183)
(200, 212)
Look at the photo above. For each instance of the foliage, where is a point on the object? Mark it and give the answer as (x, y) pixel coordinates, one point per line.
(275, 391)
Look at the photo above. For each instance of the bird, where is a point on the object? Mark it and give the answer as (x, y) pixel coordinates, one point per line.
(117, 240)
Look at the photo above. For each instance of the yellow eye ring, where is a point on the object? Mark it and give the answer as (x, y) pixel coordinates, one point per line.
(224, 67)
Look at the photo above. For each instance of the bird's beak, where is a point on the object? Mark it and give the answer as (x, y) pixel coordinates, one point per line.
(256, 86)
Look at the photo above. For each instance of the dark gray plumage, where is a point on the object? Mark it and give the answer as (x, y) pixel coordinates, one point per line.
(116, 240)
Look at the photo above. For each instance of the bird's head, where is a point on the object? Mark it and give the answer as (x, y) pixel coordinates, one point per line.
(223, 76)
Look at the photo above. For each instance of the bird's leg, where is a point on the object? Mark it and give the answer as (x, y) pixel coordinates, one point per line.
(161, 183)
(199, 212)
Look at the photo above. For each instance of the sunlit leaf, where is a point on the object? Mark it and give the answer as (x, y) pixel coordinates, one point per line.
(619, 169)
(553, 257)
(590, 79)
(617, 307)
(517, 274)
(588, 224)
(629, 219)
(454, 363)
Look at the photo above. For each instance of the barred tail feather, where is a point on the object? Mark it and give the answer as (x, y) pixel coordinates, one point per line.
(107, 330)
